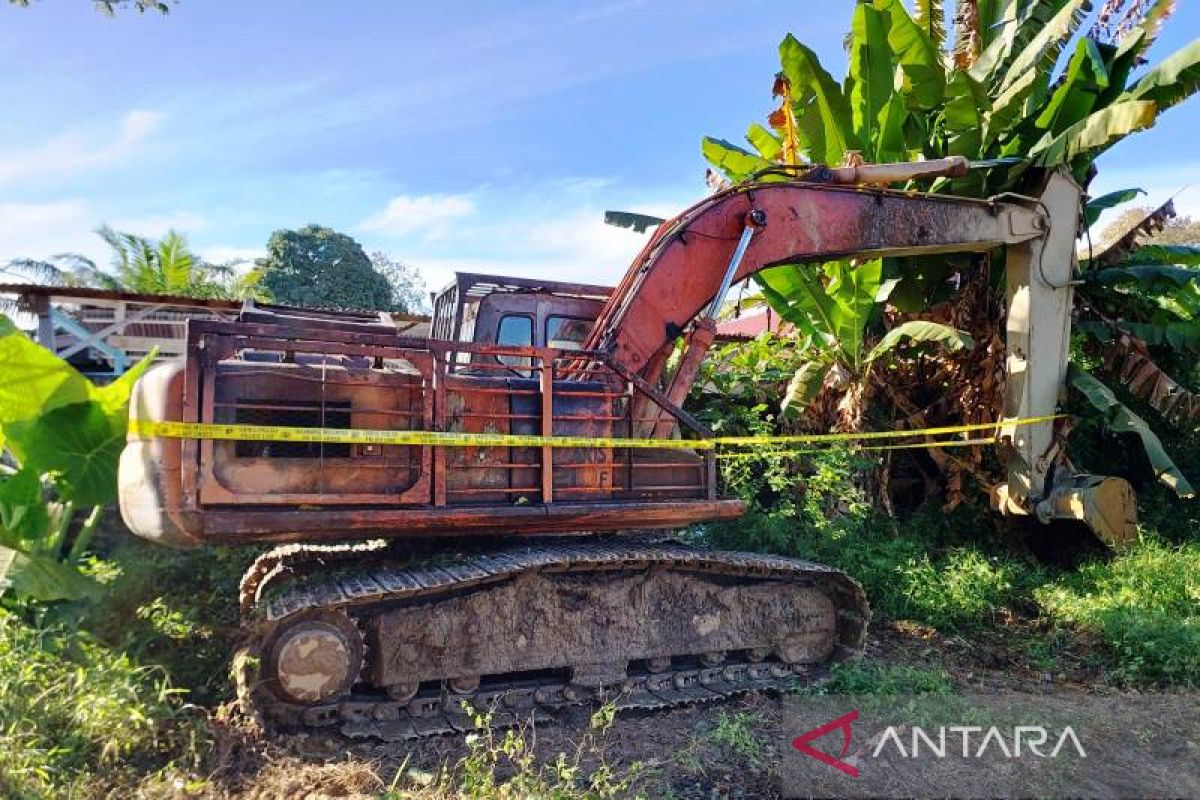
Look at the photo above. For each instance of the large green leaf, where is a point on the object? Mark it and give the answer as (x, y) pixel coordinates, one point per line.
(638, 223)
(796, 292)
(1097, 132)
(853, 290)
(1011, 108)
(920, 330)
(23, 514)
(822, 115)
(780, 285)
(889, 140)
(1012, 29)
(804, 386)
(81, 443)
(917, 55)
(1043, 49)
(1119, 418)
(870, 77)
(1086, 77)
(32, 379)
(1094, 208)
(732, 161)
(930, 17)
(42, 578)
(1174, 80)
(966, 101)
(766, 143)
(1150, 277)
(1162, 255)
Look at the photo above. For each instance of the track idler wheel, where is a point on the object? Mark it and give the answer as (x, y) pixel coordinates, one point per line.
(313, 658)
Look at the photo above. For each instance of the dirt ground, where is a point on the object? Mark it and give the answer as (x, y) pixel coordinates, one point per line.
(723, 749)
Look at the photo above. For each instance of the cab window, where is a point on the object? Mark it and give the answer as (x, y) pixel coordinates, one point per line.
(516, 330)
(566, 333)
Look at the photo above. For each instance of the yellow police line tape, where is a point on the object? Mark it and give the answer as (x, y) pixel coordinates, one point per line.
(279, 433)
(788, 451)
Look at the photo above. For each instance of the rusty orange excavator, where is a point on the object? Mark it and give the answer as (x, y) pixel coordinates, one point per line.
(525, 575)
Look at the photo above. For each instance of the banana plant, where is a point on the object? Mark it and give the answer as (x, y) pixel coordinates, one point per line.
(832, 313)
(1137, 295)
(1024, 83)
(64, 436)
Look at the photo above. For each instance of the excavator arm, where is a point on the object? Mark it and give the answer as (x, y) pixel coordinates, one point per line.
(677, 283)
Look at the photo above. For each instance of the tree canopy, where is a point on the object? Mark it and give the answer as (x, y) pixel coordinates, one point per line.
(139, 264)
(321, 268)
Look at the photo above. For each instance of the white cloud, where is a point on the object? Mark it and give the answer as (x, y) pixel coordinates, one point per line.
(156, 225)
(231, 255)
(428, 214)
(40, 230)
(72, 152)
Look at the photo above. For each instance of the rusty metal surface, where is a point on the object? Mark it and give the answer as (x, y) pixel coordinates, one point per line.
(731, 602)
(678, 272)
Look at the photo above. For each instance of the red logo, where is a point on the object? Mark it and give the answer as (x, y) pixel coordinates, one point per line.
(843, 722)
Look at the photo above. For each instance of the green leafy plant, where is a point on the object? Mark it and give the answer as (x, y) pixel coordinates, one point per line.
(166, 266)
(832, 318)
(1023, 88)
(64, 436)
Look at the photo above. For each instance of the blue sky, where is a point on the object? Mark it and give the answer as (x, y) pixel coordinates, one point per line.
(469, 135)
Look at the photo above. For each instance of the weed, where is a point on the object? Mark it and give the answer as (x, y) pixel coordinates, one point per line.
(1144, 605)
(505, 765)
(736, 732)
(77, 714)
(857, 677)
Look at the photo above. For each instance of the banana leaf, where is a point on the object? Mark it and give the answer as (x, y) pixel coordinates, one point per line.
(1161, 255)
(930, 17)
(916, 54)
(766, 143)
(1119, 418)
(822, 116)
(1086, 77)
(1047, 44)
(869, 81)
(42, 578)
(1094, 208)
(732, 161)
(966, 100)
(804, 385)
(921, 330)
(1176, 78)
(638, 223)
(1095, 133)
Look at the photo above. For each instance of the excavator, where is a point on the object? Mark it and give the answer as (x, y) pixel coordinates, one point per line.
(511, 545)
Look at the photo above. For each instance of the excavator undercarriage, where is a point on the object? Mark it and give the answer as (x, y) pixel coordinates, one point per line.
(521, 575)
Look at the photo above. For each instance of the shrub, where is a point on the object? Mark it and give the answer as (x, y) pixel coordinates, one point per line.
(75, 714)
(1144, 605)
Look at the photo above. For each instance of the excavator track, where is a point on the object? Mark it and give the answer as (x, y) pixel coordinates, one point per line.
(482, 613)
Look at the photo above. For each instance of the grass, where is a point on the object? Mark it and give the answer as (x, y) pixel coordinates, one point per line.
(1144, 606)
(78, 716)
(857, 677)
(1138, 610)
(736, 732)
(98, 704)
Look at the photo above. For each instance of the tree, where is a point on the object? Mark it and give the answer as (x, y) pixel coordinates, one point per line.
(142, 265)
(408, 287)
(318, 267)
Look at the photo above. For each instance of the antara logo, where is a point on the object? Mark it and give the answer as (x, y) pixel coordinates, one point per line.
(842, 723)
(1024, 739)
